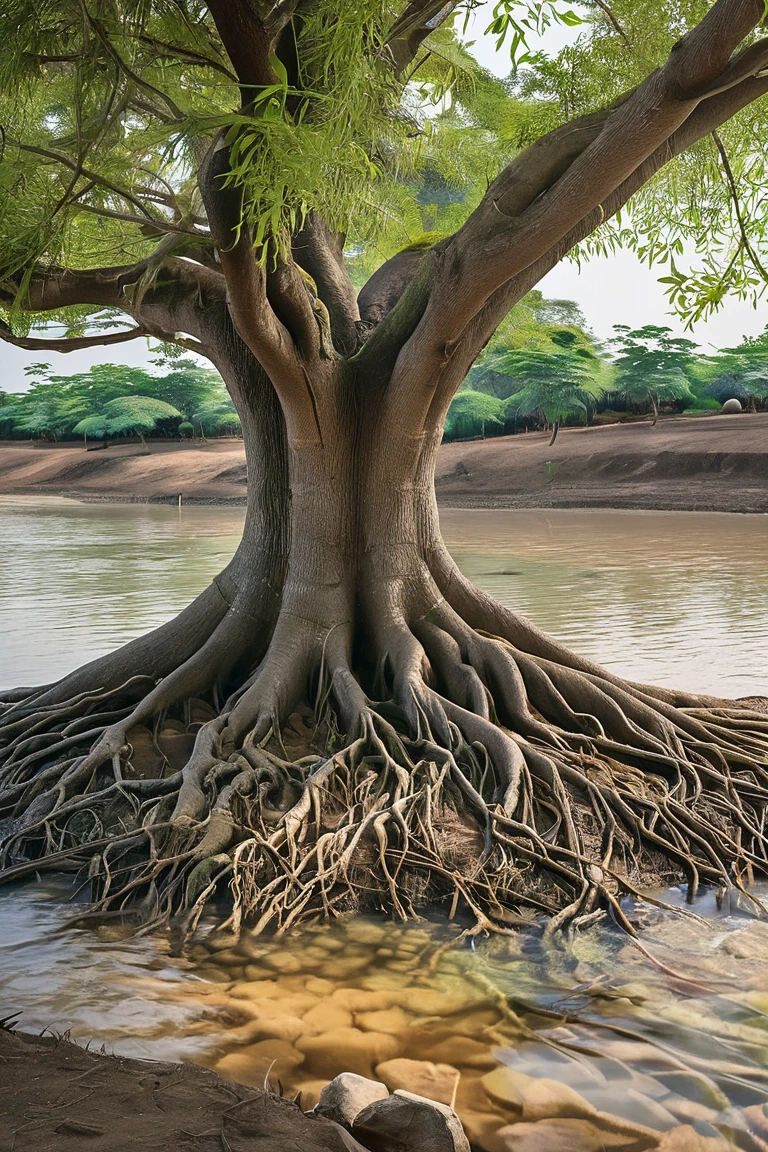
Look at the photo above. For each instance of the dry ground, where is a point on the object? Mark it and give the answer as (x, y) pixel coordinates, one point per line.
(714, 463)
(57, 1097)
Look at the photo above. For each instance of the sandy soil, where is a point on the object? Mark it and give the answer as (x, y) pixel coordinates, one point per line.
(57, 1097)
(714, 463)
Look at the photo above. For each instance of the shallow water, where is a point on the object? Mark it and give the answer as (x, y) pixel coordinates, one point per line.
(676, 598)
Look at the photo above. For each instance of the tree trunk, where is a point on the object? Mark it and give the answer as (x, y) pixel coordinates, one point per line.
(459, 756)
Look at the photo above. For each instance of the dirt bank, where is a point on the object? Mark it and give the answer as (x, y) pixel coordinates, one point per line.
(57, 1097)
(716, 463)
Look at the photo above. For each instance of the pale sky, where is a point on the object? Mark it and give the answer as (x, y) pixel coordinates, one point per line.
(610, 290)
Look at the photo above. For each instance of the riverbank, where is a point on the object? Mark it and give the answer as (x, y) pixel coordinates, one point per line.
(715, 463)
(57, 1096)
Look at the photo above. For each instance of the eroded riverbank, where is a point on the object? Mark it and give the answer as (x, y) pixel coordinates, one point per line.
(714, 463)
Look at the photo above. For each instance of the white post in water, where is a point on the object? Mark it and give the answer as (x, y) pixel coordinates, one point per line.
(179, 499)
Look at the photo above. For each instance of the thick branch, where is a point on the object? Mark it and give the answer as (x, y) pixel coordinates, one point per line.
(320, 253)
(418, 21)
(247, 43)
(499, 241)
(67, 343)
(709, 115)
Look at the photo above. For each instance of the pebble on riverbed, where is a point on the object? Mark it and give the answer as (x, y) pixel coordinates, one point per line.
(370, 999)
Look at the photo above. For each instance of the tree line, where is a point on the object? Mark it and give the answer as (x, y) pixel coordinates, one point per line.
(177, 398)
(544, 367)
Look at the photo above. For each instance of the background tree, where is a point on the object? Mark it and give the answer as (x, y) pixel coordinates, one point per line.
(741, 372)
(651, 366)
(202, 170)
(62, 406)
(128, 416)
(470, 412)
(555, 384)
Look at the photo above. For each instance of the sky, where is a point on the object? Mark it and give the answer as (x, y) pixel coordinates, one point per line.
(610, 290)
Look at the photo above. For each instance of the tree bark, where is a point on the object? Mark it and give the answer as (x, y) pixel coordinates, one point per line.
(458, 755)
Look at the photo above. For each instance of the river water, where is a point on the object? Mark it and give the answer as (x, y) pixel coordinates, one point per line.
(673, 1033)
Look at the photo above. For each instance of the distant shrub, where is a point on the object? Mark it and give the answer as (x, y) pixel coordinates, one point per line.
(703, 404)
(186, 429)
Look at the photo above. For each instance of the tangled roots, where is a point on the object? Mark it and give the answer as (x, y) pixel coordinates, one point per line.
(491, 780)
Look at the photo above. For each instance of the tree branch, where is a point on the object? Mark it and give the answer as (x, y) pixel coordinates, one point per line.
(247, 43)
(320, 253)
(705, 120)
(67, 343)
(734, 194)
(419, 20)
(504, 235)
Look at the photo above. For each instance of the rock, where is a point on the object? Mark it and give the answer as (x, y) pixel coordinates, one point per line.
(283, 962)
(474, 1023)
(367, 931)
(309, 1091)
(463, 1051)
(250, 1065)
(756, 1117)
(549, 1099)
(563, 1136)
(750, 943)
(390, 1020)
(505, 1087)
(319, 987)
(327, 1017)
(432, 1081)
(430, 1002)
(362, 999)
(264, 1027)
(634, 1106)
(687, 1139)
(347, 1095)
(480, 1127)
(731, 406)
(407, 1123)
(690, 1111)
(694, 1086)
(348, 1048)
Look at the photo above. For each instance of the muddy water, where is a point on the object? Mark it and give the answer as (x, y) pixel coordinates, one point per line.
(621, 1044)
(675, 598)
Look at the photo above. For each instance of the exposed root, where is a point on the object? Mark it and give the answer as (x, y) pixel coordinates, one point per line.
(487, 774)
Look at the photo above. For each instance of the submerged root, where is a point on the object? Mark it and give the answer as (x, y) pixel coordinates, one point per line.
(487, 776)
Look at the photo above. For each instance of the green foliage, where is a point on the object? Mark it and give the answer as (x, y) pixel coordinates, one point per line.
(107, 108)
(741, 372)
(556, 385)
(535, 324)
(186, 429)
(216, 417)
(651, 365)
(471, 412)
(61, 406)
(126, 416)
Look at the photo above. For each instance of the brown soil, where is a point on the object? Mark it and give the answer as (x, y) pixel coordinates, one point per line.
(57, 1097)
(714, 463)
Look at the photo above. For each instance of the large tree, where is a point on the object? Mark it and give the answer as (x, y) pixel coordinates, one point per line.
(222, 151)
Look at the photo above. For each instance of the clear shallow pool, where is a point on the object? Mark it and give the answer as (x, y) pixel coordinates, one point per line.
(680, 1038)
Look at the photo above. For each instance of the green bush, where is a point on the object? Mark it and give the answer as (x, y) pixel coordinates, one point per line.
(186, 430)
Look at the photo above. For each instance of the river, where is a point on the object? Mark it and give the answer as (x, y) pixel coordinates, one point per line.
(674, 1032)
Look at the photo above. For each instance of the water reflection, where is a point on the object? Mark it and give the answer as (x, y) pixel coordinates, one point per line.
(674, 598)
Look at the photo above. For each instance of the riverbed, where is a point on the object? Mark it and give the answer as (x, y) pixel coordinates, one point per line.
(670, 1032)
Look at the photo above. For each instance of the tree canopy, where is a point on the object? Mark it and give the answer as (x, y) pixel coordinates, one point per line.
(109, 107)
